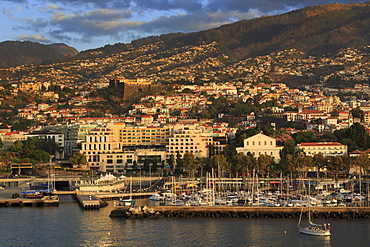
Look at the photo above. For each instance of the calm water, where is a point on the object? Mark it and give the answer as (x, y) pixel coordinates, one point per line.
(69, 225)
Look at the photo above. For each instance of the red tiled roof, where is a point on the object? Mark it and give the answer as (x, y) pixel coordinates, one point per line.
(306, 144)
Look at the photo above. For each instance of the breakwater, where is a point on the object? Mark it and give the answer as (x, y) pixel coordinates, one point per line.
(240, 212)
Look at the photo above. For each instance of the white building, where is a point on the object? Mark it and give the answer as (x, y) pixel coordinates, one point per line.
(261, 144)
(327, 149)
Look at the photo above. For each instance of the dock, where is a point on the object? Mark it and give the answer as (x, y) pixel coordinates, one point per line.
(7, 199)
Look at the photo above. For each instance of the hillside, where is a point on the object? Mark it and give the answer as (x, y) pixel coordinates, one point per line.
(318, 30)
(14, 53)
(326, 44)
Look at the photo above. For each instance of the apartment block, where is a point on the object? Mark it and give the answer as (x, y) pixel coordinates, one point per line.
(189, 139)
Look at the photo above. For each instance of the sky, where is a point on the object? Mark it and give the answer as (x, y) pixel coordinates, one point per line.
(89, 24)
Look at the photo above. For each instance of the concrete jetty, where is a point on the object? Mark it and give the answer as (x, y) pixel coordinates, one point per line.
(249, 212)
(88, 201)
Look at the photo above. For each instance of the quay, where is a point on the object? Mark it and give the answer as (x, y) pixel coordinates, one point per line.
(244, 212)
(97, 200)
(117, 196)
(20, 202)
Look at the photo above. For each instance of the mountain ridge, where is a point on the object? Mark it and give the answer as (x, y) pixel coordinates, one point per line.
(15, 53)
(316, 30)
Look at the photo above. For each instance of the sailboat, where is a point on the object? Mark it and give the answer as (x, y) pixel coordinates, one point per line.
(130, 201)
(313, 228)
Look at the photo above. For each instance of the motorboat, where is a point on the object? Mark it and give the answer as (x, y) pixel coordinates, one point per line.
(156, 197)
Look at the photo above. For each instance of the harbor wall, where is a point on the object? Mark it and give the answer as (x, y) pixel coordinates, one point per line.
(244, 212)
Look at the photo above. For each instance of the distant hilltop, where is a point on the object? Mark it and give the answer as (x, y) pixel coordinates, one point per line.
(15, 53)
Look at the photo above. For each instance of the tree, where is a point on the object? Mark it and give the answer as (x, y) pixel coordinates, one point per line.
(171, 161)
(306, 136)
(357, 112)
(320, 161)
(17, 147)
(40, 156)
(336, 164)
(242, 163)
(5, 158)
(155, 164)
(78, 159)
(200, 163)
(134, 166)
(289, 148)
(362, 161)
(219, 163)
(288, 164)
(146, 164)
(189, 163)
(357, 133)
(265, 164)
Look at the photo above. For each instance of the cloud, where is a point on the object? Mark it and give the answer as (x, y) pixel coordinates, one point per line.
(186, 22)
(265, 6)
(185, 5)
(35, 38)
(8, 13)
(108, 14)
(103, 22)
(86, 21)
(52, 6)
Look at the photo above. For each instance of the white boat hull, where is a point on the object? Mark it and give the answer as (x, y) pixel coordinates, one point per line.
(314, 231)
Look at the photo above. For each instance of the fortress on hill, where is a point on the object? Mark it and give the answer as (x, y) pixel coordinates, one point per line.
(132, 87)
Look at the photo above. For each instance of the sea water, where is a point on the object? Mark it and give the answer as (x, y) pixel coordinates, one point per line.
(70, 225)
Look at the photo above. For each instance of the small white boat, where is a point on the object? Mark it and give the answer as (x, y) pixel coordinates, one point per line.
(316, 229)
(128, 202)
(156, 197)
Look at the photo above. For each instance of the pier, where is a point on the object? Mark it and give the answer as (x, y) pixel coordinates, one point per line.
(244, 212)
(88, 201)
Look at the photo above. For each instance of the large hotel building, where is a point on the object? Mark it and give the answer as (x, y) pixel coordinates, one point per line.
(118, 148)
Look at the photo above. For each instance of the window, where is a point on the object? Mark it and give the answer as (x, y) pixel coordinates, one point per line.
(109, 161)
